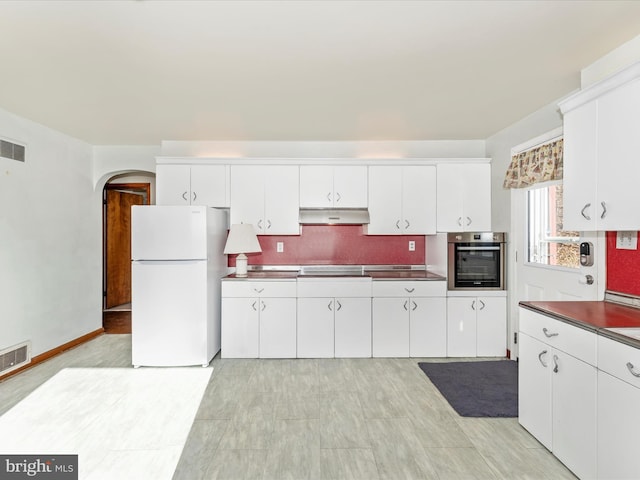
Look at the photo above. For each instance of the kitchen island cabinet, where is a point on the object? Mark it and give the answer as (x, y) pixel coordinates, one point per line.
(329, 186)
(402, 200)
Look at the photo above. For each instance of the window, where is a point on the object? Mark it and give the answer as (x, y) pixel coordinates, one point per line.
(548, 243)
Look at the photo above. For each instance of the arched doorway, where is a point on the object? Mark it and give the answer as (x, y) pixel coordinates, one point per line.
(119, 194)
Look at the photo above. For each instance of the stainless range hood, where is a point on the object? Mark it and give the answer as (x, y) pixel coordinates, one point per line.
(334, 216)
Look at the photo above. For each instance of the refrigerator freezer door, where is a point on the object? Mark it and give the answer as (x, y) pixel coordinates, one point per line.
(168, 232)
(170, 325)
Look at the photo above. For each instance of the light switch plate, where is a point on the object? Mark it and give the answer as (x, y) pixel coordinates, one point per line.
(627, 240)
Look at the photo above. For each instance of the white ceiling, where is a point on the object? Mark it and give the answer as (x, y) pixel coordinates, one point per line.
(139, 72)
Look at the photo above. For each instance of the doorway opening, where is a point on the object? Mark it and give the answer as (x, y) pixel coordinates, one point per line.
(117, 201)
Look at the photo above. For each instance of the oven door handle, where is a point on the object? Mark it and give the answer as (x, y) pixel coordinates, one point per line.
(471, 249)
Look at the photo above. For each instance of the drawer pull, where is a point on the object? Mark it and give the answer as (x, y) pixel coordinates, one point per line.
(631, 367)
(540, 355)
(549, 335)
(555, 364)
(410, 290)
(259, 290)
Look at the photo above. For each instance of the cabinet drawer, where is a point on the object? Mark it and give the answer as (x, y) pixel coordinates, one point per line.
(613, 358)
(338, 287)
(394, 288)
(242, 288)
(575, 341)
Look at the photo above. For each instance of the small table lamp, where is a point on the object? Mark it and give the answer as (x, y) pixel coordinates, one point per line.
(242, 239)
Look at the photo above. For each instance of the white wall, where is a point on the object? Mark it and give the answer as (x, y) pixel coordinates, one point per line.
(50, 239)
(110, 160)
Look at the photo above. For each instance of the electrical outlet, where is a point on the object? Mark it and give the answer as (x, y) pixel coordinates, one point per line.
(279, 247)
(412, 246)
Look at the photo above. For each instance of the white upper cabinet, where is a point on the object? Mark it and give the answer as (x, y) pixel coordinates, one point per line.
(266, 196)
(206, 185)
(402, 200)
(464, 197)
(329, 186)
(601, 169)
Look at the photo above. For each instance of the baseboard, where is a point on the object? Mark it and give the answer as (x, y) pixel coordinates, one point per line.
(55, 351)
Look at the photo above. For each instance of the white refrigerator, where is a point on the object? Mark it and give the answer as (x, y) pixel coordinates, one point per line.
(176, 270)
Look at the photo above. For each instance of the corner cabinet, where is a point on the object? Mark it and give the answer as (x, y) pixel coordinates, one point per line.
(557, 389)
(402, 200)
(329, 186)
(601, 145)
(266, 196)
(206, 185)
(464, 197)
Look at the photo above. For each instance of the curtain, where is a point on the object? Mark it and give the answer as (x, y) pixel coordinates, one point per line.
(540, 164)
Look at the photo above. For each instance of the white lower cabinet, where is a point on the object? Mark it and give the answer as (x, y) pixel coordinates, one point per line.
(258, 319)
(558, 389)
(618, 410)
(409, 319)
(476, 326)
(316, 328)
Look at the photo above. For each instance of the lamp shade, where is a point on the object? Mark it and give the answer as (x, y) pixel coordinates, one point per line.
(242, 239)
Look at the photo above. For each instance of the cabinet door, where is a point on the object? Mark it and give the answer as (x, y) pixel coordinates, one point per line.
(428, 327)
(580, 168)
(574, 391)
(281, 200)
(476, 197)
(491, 326)
(419, 200)
(391, 327)
(350, 186)
(173, 185)
(461, 326)
(315, 332)
(449, 199)
(618, 427)
(385, 201)
(209, 185)
(352, 327)
(316, 186)
(534, 388)
(277, 327)
(618, 166)
(247, 196)
(240, 338)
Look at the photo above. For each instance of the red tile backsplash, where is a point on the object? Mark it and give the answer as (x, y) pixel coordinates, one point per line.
(623, 268)
(338, 245)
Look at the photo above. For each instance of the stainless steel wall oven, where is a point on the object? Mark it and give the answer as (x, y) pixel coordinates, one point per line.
(476, 261)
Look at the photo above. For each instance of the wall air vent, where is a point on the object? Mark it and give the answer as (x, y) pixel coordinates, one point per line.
(12, 151)
(15, 357)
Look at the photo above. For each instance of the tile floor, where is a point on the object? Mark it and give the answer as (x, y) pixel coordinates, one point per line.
(324, 419)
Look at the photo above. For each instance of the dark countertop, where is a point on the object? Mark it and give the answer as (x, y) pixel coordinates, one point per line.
(374, 273)
(266, 275)
(594, 316)
(404, 275)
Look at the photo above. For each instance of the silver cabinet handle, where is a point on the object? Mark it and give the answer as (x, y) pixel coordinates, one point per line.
(194, 196)
(184, 197)
(407, 223)
(630, 367)
(555, 364)
(264, 305)
(268, 224)
(549, 335)
(473, 305)
(405, 305)
(260, 224)
(415, 305)
(587, 217)
(409, 290)
(259, 290)
(338, 197)
(253, 305)
(329, 304)
(459, 221)
(604, 209)
(329, 196)
(540, 355)
(398, 224)
(468, 221)
(482, 304)
(339, 305)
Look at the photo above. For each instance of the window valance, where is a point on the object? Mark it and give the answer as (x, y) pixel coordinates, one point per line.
(540, 164)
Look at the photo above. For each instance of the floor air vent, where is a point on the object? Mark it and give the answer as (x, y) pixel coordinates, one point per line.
(15, 357)
(12, 151)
